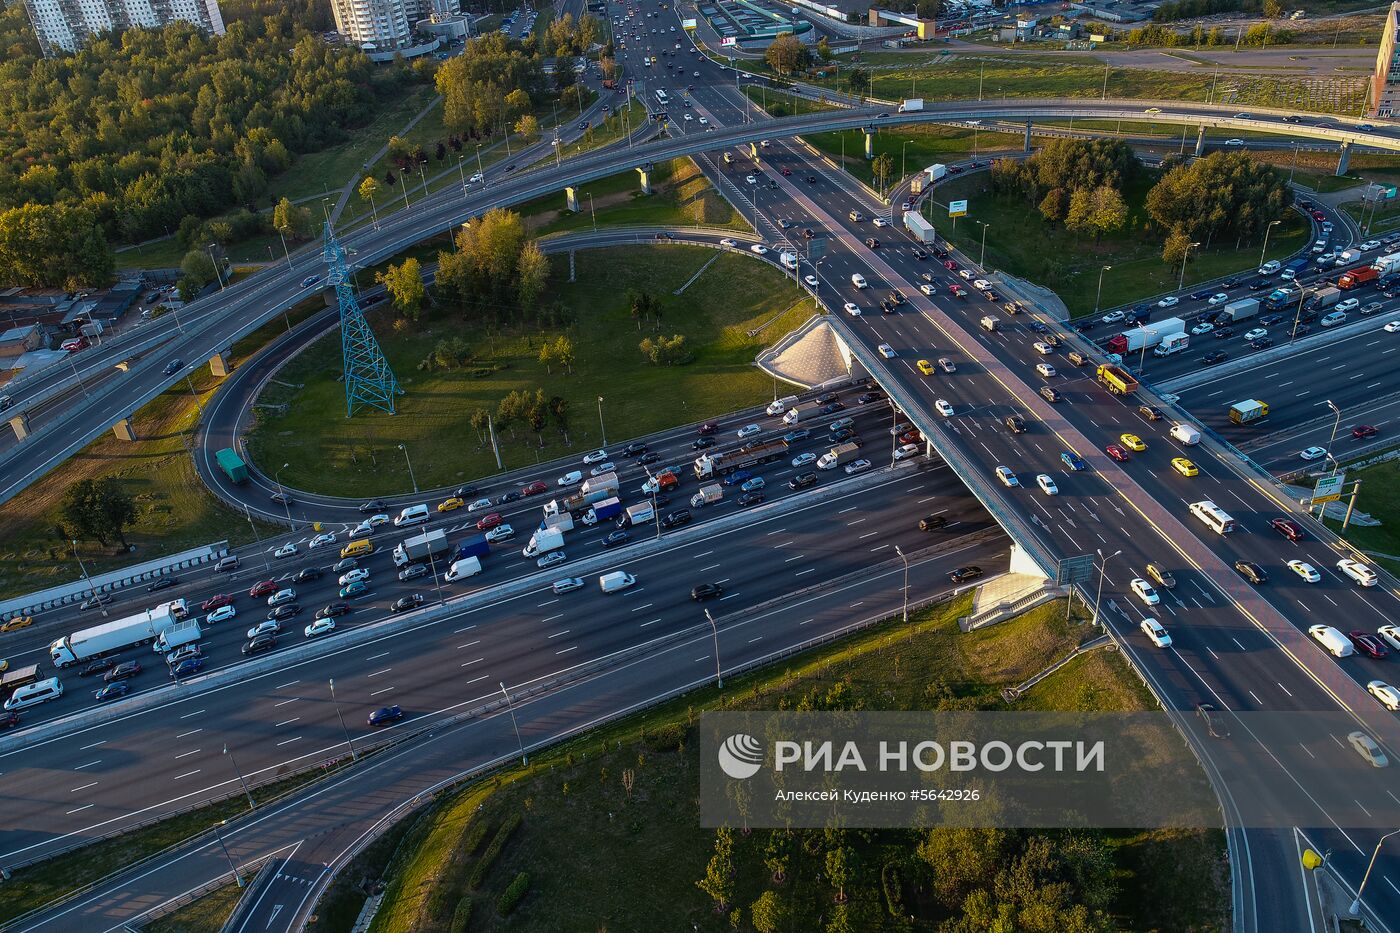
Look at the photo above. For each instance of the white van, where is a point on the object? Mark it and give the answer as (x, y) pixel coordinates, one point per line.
(1186, 434)
(461, 569)
(1270, 267)
(616, 581)
(1337, 644)
(1359, 572)
(34, 694)
(781, 405)
(1333, 319)
(858, 280)
(413, 515)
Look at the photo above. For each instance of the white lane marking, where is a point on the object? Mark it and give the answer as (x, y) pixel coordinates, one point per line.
(274, 706)
(186, 734)
(288, 741)
(88, 765)
(79, 810)
(286, 685)
(103, 742)
(373, 657)
(470, 663)
(377, 673)
(84, 787)
(567, 650)
(381, 690)
(286, 722)
(185, 775)
(187, 754)
(557, 634)
(195, 713)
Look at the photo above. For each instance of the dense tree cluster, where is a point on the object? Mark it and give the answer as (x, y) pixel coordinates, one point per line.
(97, 510)
(787, 54)
(567, 36)
(57, 246)
(493, 269)
(1074, 182)
(492, 82)
(1158, 35)
(1222, 194)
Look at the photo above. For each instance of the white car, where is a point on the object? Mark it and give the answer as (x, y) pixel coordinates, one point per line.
(704, 121)
(322, 539)
(1007, 477)
(1219, 298)
(907, 451)
(319, 627)
(1313, 453)
(363, 528)
(857, 466)
(852, 309)
(1043, 348)
(886, 351)
(1390, 634)
(1144, 591)
(858, 281)
(476, 179)
(1388, 696)
(286, 550)
(727, 241)
(881, 222)
(550, 559)
(602, 468)
(1155, 633)
(748, 430)
(1234, 142)
(1204, 327)
(802, 460)
(943, 408)
(500, 533)
(812, 281)
(567, 585)
(597, 456)
(1305, 570)
(1367, 748)
(927, 289)
(965, 274)
(480, 505)
(1392, 327)
(1255, 334)
(1359, 573)
(1369, 245)
(282, 596)
(1045, 370)
(750, 179)
(220, 615)
(262, 628)
(1168, 302)
(571, 477)
(759, 248)
(354, 576)
(1112, 317)
(1047, 484)
(981, 284)
(688, 118)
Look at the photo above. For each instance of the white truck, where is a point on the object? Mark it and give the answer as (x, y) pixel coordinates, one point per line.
(594, 489)
(461, 569)
(1238, 311)
(789, 260)
(780, 405)
(912, 105)
(420, 547)
(562, 521)
(616, 581)
(1185, 433)
(708, 495)
(184, 633)
(1174, 343)
(548, 539)
(109, 637)
(935, 172)
(639, 513)
(1387, 265)
(919, 228)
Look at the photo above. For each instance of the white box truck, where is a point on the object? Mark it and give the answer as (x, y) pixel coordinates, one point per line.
(1174, 343)
(562, 521)
(935, 172)
(919, 228)
(185, 633)
(89, 643)
(616, 581)
(780, 405)
(461, 569)
(550, 539)
(639, 513)
(708, 495)
(1185, 433)
(912, 105)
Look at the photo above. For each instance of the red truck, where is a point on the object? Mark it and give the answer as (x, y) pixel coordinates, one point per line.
(1358, 276)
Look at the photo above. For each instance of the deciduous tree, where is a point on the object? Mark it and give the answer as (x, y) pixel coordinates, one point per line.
(98, 509)
(404, 283)
(787, 54)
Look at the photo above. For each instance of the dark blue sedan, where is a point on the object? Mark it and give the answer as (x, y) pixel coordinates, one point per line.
(113, 691)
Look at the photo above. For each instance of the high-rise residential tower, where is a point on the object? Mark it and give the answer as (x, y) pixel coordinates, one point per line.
(64, 25)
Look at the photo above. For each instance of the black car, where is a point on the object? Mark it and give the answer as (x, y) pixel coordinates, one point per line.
(187, 667)
(1016, 424)
(281, 498)
(407, 603)
(705, 591)
(1251, 571)
(307, 573)
(1222, 333)
(811, 179)
(164, 583)
(650, 456)
(1215, 722)
(511, 496)
(1263, 343)
(92, 602)
(332, 610)
(100, 666)
(284, 611)
(963, 574)
(374, 505)
(841, 436)
(615, 538)
(413, 572)
(1150, 412)
(700, 443)
(833, 408)
(676, 519)
(1301, 330)
(808, 233)
(1200, 296)
(172, 367)
(932, 523)
(1215, 356)
(385, 715)
(869, 397)
(826, 397)
(871, 242)
(261, 643)
(1269, 320)
(751, 498)
(122, 671)
(464, 492)
(634, 448)
(1230, 283)
(1258, 284)
(9, 720)
(802, 480)
(919, 254)
(113, 691)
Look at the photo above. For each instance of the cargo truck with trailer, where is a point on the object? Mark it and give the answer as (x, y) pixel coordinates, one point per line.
(1248, 410)
(1238, 311)
(935, 172)
(603, 510)
(109, 637)
(420, 547)
(918, 228)
(232, 465)
(708, 495)
(1116, 379)
(1149, 336)
(725, 462)
(1387, 265)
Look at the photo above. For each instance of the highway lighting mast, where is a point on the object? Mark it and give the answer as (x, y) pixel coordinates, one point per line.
(368, 379)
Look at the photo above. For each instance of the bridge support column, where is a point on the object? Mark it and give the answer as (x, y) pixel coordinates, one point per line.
(124, 430)
(1021, 562)
(20, 423)
(753, 151)
(571, 199)
(870, 142)
(1200, 141)
(218, 364)
(1026, 146)
(644, 172)
(1344, 160)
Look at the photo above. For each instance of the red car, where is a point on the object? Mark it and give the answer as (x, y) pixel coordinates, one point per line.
(1363, 431)
(265, 588)
(910, 437)
(1318, 215)
(1368, 644)
(787, 171)
(955, 290)
(950, 265)
(535, 488)
(487, 522)
(1117, 453)
(216, 602)
(1288, 528)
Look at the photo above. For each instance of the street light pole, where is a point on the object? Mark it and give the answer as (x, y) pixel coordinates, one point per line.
(1267, 230)
(898, 551)
(518, 741)
(354, 756)
(719, 677)
(219, 278)
(247, 793)
(282, 491)
(92, 593)
(218, 831)
(411, 477)
(1355, 908)
(982, 259)
(1099, 294)
(1184, 255)
(602, 430)
(1337, 423)
(1103, 572)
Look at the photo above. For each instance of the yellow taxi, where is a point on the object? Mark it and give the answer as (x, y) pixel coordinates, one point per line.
(1184, 467)
(1133, 442)
(1153, 110)
(17, 623)
(925, 367)
(448, 505)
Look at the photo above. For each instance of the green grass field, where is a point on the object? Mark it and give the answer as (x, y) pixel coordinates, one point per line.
(1021, 243)
(330, 454)
(209, 912)
(1380, 497)
(572, 798)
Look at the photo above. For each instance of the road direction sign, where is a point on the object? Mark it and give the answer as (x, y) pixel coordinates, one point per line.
(1328, 489)
(1072, 570)
(957, 208)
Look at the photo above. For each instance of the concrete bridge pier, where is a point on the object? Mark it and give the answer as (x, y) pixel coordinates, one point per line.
(1026, 146)
(123, 430)
(1344, 160)
(218, 364)
(571, 199)
(644, 173)
(753, 150)
(870, 142)
(1022, 562)
(20, 422)
(1200, 141)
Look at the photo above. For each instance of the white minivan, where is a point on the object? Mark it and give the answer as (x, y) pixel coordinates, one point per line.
(34, 694)
(858, 280)
(1270, 267)
(461, 569)
(413, 515)
(1333, 319)
(1337, 644)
